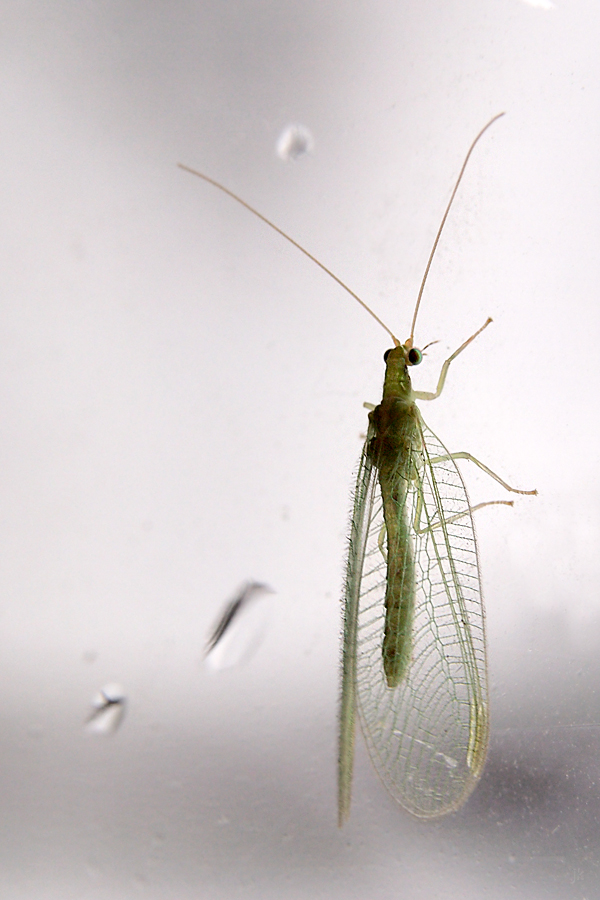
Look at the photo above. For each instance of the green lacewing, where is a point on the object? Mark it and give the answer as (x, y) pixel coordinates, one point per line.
(414, 668)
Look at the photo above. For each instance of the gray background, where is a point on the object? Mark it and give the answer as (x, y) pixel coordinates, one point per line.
(181, 398)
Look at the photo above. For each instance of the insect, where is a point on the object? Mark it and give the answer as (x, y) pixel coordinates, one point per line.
(414, 668)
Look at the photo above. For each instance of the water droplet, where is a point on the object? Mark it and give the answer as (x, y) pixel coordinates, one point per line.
(240, 629)
(108, 709)
(294, 141)
(540, 4)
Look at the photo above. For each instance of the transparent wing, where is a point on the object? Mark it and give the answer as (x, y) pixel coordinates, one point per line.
(358, 579)
(427, 736)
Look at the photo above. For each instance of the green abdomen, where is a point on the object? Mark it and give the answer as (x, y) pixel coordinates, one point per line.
(395, 436)
(399, 595)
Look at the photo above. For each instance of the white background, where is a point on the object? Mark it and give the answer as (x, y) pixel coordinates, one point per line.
(181, 397)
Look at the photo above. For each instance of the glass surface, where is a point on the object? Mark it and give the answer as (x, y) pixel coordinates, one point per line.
(181, 397)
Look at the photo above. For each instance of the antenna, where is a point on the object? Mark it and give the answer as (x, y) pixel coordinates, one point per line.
(264, 219)
(443, 222)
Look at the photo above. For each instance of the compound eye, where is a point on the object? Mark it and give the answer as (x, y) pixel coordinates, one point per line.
(386, 354)
(414, 356)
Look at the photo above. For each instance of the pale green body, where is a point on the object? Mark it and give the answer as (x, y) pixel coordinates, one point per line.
(394, 437)
(414, 662)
